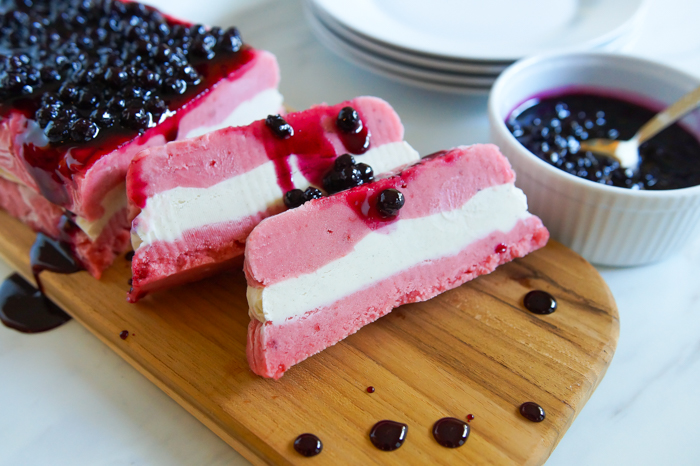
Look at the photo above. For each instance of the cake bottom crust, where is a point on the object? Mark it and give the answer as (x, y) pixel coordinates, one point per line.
(274, 347)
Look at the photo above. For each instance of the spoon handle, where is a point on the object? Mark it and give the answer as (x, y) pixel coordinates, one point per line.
(669, 116)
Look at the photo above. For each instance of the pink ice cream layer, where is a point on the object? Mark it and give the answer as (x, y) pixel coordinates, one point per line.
(273, 348)
(334, 225)
(221, 155)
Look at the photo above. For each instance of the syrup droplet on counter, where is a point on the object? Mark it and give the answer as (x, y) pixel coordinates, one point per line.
(370, 389)
(124, 334)
(470, 417)
(532, 411)
(308, 445)
(26, 309)
(540, 302)
(451, 432)
(388, 435)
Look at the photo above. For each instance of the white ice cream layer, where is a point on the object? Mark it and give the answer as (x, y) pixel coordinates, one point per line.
(386, 252)
(167, 215)
(268, 102)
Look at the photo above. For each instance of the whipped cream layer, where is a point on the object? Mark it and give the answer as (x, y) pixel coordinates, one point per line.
(387, 251)
(169, 214)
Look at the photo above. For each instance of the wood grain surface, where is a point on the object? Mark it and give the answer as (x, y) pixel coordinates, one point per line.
(473, 350)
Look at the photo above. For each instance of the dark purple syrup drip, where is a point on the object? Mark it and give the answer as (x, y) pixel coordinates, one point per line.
(129, 256)
(388, 435)
(532, 411)
(451, 432)
(52, 255)
(470, 417)
(370, 389)
(540, 302)
(124, 334)
(26, 309)
(308, 445)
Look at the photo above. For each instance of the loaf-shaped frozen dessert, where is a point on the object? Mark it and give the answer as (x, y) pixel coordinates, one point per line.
(320, 272)
(198, 199)
(88, 85)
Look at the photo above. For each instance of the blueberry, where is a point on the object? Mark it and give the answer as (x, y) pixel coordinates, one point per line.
(68, 92)
(279, 126)
(50, 75)
(389, 202)
(136, 118)
(230, 41)
(349, 120)
(366, 172)
(345, 160)
(294, 198)
(337, 181)
(103, 117)
(56, 130)
(83, 130)
(174, 85)
(312, 193)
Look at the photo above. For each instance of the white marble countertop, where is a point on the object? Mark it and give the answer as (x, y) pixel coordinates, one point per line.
(68, 400)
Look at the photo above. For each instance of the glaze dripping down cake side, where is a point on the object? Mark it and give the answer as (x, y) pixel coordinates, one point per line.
(86, 86)
(319, 273)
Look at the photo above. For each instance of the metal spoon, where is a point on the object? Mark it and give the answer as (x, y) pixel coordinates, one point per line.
(627, 152)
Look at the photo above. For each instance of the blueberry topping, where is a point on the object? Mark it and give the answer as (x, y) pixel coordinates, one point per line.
(390, 202)
(83, 130)
(345, 160)
(349, 120)
(279, 126)
(296, 197)
(99, 58)
(366, 172)
(347, 174)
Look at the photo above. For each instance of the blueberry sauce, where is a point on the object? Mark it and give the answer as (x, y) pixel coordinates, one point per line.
(279, 127)
(308, 445)
(346, 174)
(370, 389)
(297, 197)
(553, 127)
(451, 432)
(354, 134)
(26, 309)
(540, 302)
(470, 417)
(84, 78)
(124, 334)
(388, 435)
(52, 255)
(532, 411)
(390, 202)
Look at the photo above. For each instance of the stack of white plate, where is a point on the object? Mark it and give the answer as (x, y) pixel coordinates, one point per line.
(462, 45)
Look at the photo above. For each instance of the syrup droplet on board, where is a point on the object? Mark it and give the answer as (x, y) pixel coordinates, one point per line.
(451, 432)
(470, 417)
(388, 435)
(540, 302)
(532, 411)
(124, 334)
(308, 445)
(370, 389)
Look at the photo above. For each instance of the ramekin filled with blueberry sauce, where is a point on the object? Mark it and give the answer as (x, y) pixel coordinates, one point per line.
(541, 108)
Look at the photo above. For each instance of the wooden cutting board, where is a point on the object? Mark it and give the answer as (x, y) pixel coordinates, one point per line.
(473, 350)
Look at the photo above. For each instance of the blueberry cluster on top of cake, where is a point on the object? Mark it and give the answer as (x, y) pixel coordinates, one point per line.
(85, 85)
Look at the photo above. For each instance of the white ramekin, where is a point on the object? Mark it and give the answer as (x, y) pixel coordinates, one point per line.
(605, 224)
